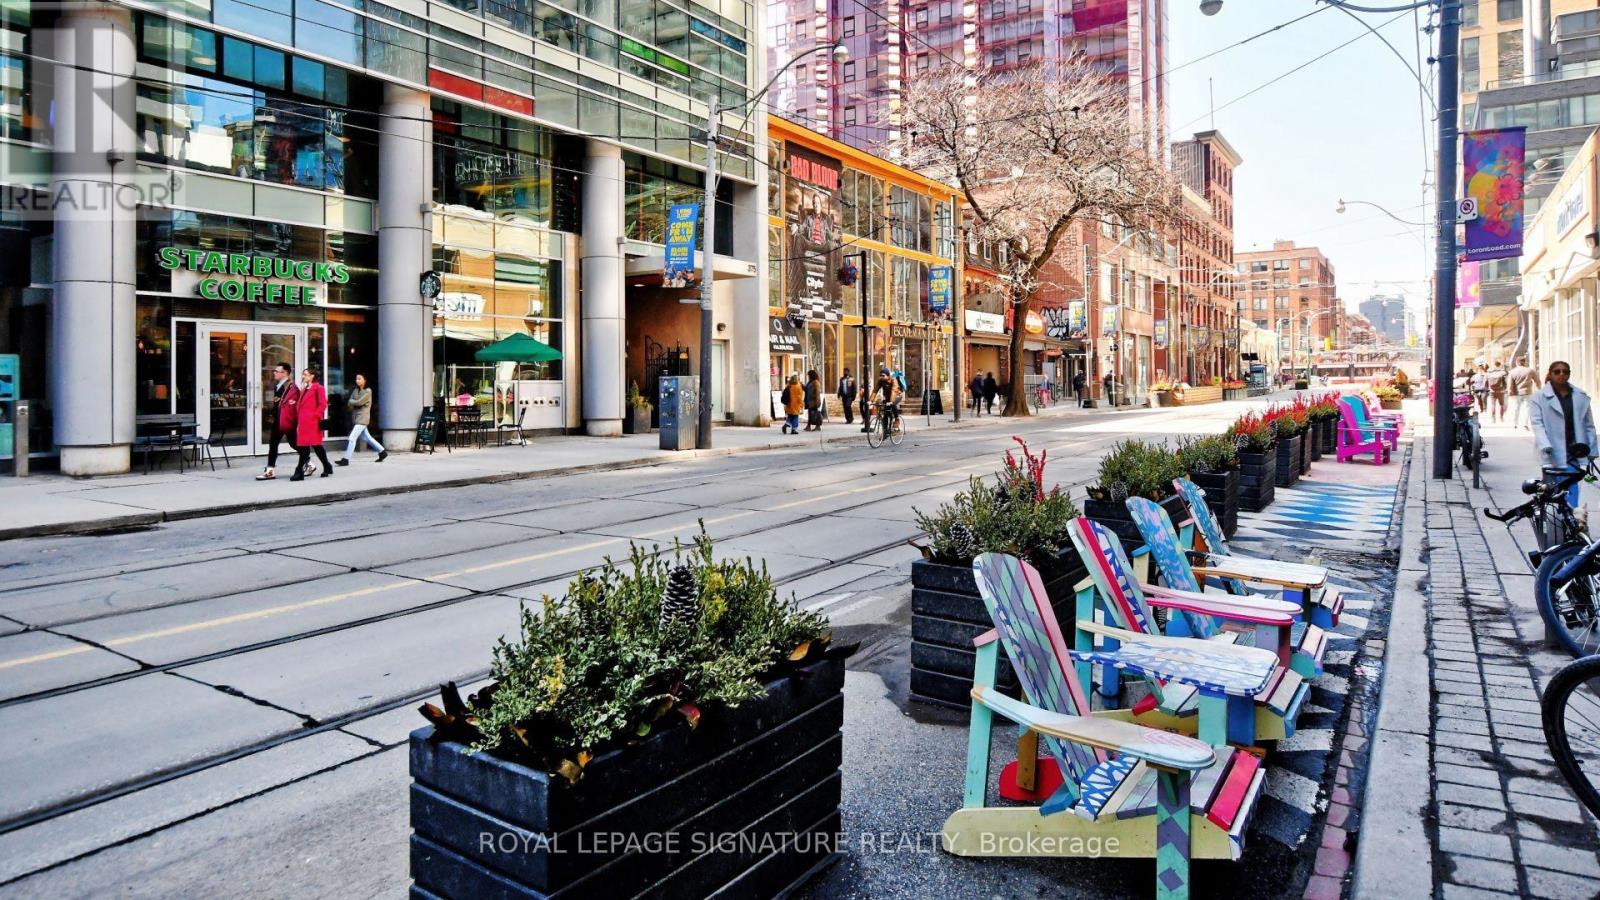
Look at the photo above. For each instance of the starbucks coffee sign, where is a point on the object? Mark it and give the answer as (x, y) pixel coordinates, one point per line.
(244, 278)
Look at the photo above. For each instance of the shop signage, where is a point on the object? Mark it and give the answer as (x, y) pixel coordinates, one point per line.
(219, 270)
(458, 306)
(1574, 204)
(683, 219)
(1110, 320)
(1034, 323)
(939, 281)
(1491, 173)
(1160, 338)
(782, 337)
(991, 323)
(918, 330)
(814, 234)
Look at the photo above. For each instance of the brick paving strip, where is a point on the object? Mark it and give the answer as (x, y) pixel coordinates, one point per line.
(1468, 785)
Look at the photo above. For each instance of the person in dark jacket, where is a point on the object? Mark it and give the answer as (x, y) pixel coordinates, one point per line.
(284, 397)
(991, 389)
(847, 396)
(976, 388)
(1078, 384)
(309, 411)
(813, 398)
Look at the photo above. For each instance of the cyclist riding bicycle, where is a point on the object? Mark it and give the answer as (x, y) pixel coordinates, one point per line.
(888, 393)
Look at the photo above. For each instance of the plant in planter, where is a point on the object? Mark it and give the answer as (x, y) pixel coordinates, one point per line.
(1325, 419)
(1015, 514)
(1258, 460)
(1134, 469)
(657, 697)
(1213, 464)
(1389, 396)
(1161, 393)
(1299, 412)
(638, 421)
(1234, 389)
(1287, 433)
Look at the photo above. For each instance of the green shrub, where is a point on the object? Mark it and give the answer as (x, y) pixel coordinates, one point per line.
(1216, 453)
(627, 648)
(1017, 515)
(1138, 469)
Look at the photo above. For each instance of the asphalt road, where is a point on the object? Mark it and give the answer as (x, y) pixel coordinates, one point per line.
(221, 704)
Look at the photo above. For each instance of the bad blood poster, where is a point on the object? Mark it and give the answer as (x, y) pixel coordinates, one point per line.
(811, 215)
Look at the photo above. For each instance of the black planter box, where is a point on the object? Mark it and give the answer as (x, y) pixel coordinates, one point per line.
(1314, 441)
(1307, 439)
(1113, 514)
(1330, 436)
(947, 614)
(747, 805)
(1288, 461)
(1257, 479)
(1222, 496)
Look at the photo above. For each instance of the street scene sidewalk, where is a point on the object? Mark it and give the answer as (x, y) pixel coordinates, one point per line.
(1461, 773)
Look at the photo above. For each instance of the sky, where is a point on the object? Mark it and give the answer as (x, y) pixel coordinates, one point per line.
(1346, 126)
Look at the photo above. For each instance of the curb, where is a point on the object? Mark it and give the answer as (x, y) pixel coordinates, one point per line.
(1393, 834)
(147, 519)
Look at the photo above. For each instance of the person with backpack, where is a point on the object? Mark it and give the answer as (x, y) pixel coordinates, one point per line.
(847, 396)
(991, 389)
(1497, 380)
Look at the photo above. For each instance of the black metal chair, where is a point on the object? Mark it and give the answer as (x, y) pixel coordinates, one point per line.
(202, 445)
(469, 426)
(504, 429)
(165, 437)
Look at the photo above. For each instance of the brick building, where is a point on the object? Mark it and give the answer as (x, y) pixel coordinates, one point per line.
(1291, 290)
(1205, 318)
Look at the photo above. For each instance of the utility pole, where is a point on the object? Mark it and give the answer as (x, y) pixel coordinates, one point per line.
(1444, 290)
(708, 242)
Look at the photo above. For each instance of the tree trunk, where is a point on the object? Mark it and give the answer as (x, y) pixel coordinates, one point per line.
(1017, 400)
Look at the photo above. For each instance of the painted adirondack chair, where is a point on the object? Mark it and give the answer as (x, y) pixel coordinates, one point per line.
(1356, 437)
(1386, 431)
(1125, 790)
(1377, 413)
(1266, 714)
(1305, 643)
(1307, 585)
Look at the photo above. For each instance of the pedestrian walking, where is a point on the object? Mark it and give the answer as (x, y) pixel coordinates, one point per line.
(976, 387)
(847, 396)
(313, 405)
(1496, 379)
(359, 402)
(1480, 387)
(991, 389)
(1109, 384)
(284, 397)
(1079, 382)
(794, 402)
(1521, 382)
(1561, 418)
(813, 401)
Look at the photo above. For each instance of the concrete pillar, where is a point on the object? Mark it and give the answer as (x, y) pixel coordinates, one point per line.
(405, 251)
(1535, 38)
(92, 329)
(603, 301)
(750, 354)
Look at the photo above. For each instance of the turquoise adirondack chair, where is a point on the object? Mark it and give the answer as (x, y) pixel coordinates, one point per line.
(1265, 714)
(1304, 584)
(1305, 643)
(1386, 431)
(1125, 790)
(1356, 436)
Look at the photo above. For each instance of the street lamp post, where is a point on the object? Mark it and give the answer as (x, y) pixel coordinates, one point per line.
(708, 215)
(1444, 292)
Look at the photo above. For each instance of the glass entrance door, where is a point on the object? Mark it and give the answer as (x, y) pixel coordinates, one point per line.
(234, 372)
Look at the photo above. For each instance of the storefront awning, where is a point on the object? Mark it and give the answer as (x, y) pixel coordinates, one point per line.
(646, 270)
(518, 348)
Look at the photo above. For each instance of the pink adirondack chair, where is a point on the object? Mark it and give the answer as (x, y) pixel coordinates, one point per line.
(1354, 439)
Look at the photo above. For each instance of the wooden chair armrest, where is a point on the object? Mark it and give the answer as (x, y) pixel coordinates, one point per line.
(988, 637)
(1159, 748)
(1261, 572)
(1238, 608)
(1217, 648)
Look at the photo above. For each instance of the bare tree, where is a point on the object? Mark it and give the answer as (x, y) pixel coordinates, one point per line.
(1034, 152)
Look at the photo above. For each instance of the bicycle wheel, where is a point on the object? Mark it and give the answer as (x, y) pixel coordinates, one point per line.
(1571, 712)
(1568, 608)
(875, 431)
(897, 432)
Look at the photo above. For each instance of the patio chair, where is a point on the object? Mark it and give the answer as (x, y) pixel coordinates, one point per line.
(1306, 642)
(1304, 584)
(1386, 429)
(1125, 790)
(1265, 714)
(202, 447)
(505, 429)
(1357, 437)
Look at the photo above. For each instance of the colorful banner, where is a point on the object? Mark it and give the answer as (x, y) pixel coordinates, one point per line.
(683, 220)
(939, 284)
(1077, 320)
(1110, 320)
(1161, 334)
(1491, 173)
(1468, 285)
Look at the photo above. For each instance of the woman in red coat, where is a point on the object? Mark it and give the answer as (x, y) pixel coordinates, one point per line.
(313, 405)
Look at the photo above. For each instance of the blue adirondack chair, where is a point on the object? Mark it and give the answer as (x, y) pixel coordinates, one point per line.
(1304, 584)
(1387, 432)
(1125, 790)
(1266, 714)
(1306, 643)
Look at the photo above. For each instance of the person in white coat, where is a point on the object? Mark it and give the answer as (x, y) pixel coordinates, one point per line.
(1562, 417)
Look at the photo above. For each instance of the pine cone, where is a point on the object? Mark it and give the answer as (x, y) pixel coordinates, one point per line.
(1119, 491)
(680, 604)
(963, 543)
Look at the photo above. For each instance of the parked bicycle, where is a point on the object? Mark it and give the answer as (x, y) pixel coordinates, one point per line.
(1467, 437)
(886, 424)
(1570, 709)
(1566, 585)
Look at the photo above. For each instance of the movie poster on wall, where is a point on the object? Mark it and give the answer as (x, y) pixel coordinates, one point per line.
(814, 235)
(1491, 173)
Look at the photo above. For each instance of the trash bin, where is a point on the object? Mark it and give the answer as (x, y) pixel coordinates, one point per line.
(680, 411)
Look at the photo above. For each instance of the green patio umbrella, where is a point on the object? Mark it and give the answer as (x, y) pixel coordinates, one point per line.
(518, 348)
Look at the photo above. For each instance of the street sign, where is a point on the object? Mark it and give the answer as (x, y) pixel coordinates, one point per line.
(1467, 209)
